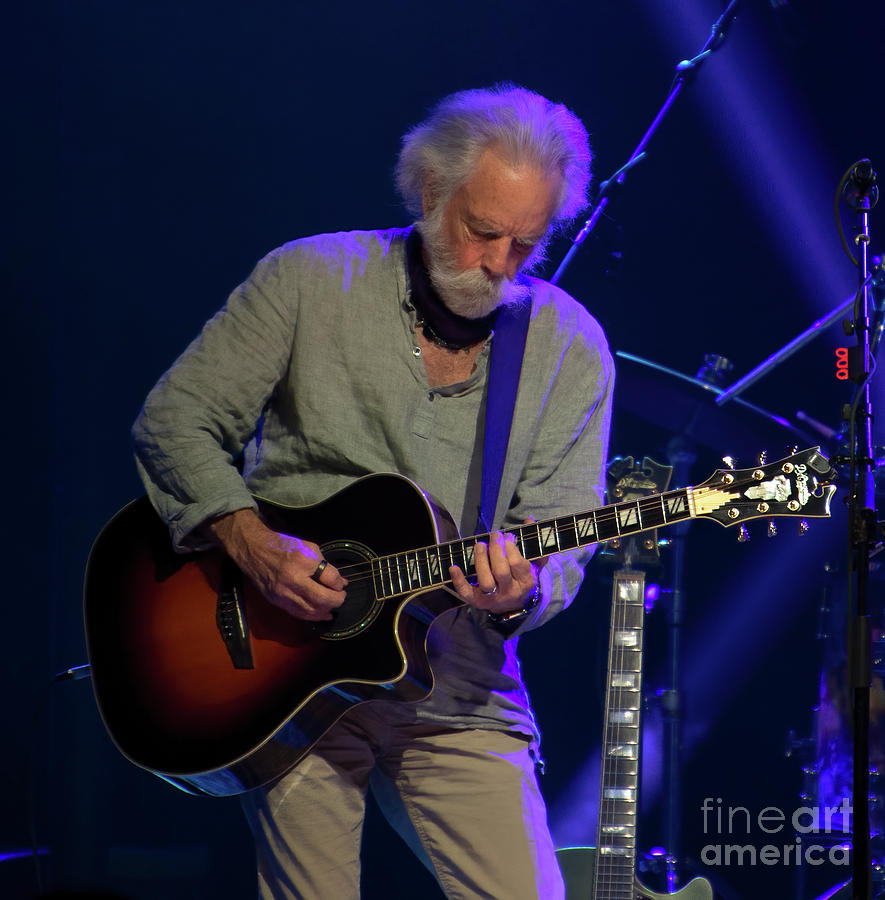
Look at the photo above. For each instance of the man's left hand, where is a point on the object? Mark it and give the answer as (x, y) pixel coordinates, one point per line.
(504, 577)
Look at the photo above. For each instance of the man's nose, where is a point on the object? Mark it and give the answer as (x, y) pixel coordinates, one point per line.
(500, 259)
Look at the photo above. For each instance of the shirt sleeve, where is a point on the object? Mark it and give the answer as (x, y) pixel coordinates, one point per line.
(564, 470)
(199, 417)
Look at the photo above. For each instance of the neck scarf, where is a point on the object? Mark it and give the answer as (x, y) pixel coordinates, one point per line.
(439, 323)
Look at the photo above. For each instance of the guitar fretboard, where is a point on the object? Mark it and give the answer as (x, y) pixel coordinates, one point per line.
(401, 573)
(619, 781)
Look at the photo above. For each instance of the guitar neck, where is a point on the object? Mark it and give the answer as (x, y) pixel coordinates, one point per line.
(425, 567)
(619, 776)
(799, 485)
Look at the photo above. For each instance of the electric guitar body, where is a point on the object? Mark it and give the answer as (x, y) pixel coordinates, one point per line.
(578, 865)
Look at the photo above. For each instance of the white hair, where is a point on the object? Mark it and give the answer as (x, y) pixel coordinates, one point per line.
(442, 152)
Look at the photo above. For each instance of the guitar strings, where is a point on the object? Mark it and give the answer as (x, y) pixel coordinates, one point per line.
(601, 515)
(363, 570)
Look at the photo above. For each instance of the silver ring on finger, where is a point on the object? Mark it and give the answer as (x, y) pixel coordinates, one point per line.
(490, 593)
(318, 571)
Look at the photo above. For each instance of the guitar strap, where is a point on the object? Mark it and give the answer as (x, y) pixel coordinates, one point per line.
(505, 366)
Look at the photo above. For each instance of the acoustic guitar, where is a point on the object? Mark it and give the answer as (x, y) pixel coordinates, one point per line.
(203, 682)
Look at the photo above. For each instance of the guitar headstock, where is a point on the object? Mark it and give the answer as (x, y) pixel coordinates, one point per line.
(799, 485)
(628, 479)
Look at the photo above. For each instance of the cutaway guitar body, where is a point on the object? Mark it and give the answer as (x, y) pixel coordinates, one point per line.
(169, 689)
(202, 681)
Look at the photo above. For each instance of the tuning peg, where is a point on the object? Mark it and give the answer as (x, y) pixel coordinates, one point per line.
(729, 461)
(743, 534)
(803, 527)
(772, 528)
(763, 455)
(791, 449)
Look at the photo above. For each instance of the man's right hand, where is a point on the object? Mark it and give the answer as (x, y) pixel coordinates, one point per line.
(282, 566)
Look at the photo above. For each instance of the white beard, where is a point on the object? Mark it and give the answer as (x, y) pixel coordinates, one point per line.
(469, 293)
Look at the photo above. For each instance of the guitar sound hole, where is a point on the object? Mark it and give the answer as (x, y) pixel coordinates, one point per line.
(360, 607)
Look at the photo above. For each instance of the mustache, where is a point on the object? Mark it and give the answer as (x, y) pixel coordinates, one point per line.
(470, 293)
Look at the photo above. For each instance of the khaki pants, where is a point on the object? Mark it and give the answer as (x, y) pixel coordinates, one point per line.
(466, 801)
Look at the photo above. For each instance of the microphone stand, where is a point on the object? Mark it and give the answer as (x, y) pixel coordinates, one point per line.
(684, 70)
(861, 194)
(682, 454)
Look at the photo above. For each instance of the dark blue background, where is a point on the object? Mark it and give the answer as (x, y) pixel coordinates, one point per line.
(154, 151)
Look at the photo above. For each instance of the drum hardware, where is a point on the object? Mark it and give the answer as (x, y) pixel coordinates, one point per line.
(844, 891)
(825, 757)
(685, 406)
(804, 751)
(689, 406)
(857, 188)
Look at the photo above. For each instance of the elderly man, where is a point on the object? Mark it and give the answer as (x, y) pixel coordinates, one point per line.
(356, 353)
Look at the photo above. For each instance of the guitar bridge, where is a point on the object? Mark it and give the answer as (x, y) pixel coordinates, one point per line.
(230, 616)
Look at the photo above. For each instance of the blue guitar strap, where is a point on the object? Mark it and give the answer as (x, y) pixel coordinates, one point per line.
(505, 366)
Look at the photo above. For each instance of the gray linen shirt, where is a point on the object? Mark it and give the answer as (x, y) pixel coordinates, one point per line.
(319, 346)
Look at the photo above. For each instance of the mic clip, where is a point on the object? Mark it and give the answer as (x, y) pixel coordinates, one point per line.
(861, 187)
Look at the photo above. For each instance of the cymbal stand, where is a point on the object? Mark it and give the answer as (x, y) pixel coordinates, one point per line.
(876, 280)
(786, 351)
(682, 455)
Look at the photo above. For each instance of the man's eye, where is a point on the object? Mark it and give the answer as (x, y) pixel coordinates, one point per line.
(480, 235)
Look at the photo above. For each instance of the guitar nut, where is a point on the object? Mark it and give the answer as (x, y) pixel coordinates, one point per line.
(793, 505)
(787, 468)
(727, 478)
(762, 507)
(758, 475)
(733, 513)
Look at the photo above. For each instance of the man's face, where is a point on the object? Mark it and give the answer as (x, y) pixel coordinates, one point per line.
(486, 234)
